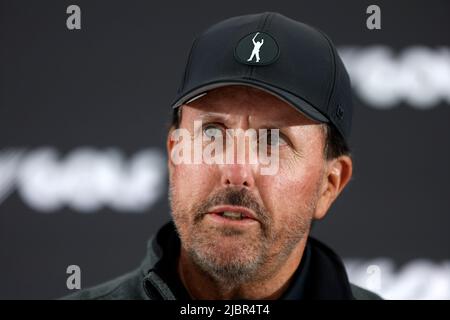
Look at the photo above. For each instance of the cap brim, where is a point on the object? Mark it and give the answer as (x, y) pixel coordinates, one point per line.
(301, 105)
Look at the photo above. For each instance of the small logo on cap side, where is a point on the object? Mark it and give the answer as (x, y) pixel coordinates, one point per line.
(257, 48)
(339, 112)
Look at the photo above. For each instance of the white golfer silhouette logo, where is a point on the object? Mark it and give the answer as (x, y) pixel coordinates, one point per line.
(256, 48)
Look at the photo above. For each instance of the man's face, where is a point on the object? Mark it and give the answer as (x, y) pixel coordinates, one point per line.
(279, 207)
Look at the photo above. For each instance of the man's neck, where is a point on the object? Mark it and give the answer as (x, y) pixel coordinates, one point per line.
(274, 282)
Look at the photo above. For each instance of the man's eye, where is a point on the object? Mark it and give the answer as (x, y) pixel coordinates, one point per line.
(274, 139)
(212, 131)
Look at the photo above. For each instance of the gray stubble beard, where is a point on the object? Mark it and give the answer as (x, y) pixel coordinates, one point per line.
(236, 270)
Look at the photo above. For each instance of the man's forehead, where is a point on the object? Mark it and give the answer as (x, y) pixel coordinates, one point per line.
(245, 101)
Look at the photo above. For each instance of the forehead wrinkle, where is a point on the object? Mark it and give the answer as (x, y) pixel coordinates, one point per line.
(239, 95)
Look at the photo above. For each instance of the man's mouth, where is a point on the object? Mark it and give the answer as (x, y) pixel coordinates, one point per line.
(233, 213)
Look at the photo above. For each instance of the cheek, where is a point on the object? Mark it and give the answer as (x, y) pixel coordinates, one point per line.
(290, 192)
(191, 183)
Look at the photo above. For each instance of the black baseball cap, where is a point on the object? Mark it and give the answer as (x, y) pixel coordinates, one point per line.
(292, 60)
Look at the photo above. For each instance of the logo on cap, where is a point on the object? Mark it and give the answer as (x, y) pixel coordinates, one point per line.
(257, 48)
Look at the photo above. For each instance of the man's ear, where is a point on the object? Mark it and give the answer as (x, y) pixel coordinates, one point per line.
(337, 174)
(169, 146)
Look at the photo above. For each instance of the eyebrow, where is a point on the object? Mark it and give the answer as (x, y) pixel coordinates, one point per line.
(219, 116)
(212, 115)
(273, 125)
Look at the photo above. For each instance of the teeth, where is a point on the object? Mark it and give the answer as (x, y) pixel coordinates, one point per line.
(232, 215)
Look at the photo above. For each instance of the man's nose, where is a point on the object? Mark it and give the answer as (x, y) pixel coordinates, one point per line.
(238, 175)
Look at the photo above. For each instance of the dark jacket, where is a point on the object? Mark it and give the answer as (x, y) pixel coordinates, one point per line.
(321, 275)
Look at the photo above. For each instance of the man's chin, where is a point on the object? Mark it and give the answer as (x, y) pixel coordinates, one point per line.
(225, 253)
(227, 264)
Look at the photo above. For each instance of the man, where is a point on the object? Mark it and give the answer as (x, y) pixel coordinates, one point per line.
(257, 46)
(239, 232)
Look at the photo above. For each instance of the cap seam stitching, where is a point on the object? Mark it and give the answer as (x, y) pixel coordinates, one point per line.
(188, 67)
(333, 84)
